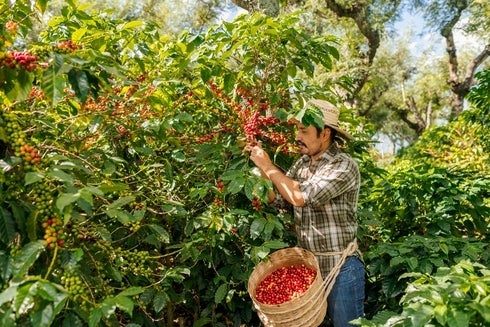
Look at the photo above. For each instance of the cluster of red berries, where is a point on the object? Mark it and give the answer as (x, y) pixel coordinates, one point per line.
(255, 127)
(66, 46)
(220, 185)
(36, 93)
(53, 233)
(17, 59)
(208, 137)
(257, 204)
(251, 126)
(285, 284)
(254, 116)
(30, 154)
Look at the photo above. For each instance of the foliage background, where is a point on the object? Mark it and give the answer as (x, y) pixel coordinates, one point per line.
(142, 209)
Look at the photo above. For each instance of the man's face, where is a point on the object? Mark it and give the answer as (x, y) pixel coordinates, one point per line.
(308, 140)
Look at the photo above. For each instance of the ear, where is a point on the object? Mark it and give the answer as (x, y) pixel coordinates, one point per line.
(326, 133)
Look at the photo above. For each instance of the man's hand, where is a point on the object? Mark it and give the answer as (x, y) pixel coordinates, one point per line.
(258, 156)
(288, 187)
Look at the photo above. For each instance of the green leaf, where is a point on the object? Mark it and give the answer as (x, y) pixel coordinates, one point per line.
(235, 186)
(395, 261)
(132, 291)
(95, 317)
(79, 81)
(32, 177)
(77, 35)
(257, 227)
(162, 234)
(122, 216)
(108, 307)
(159, 301)
(309, 115)
(121, 202)
(48, 310)
(8, 294)
(131, 25)
(457, 318)
(25, 299)
(60, 175)
(7, 226)
(3, 137)
(41, 5)
(229, 82)
(259, 253)
(483, 308)
(275, 244)
(205, 74)
(178, 155)
(220, 293)
(125, 303)
(23, 85)
(66, 199)
(413, 263)
(421, 316)
(147, 296)
(281, 114)
(26, 258)
(71, 320)
(32, 225)
(203, 321)
(440, 313)
(52, 82)
(96, 122)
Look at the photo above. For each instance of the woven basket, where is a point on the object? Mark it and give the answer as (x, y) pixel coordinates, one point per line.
(308, 310)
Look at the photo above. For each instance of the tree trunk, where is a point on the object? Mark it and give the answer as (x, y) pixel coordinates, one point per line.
(460, 86)
(361, 14)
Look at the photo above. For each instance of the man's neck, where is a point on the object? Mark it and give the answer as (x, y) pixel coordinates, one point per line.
(322, 150)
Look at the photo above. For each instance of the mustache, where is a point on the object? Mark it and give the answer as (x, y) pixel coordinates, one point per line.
(300, 143)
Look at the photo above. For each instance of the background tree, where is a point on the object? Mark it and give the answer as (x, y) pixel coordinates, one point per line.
(469, 17)
(373, 22)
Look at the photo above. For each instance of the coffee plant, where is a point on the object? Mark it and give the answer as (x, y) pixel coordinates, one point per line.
(125, 197)
(429, 212)
(452, 296)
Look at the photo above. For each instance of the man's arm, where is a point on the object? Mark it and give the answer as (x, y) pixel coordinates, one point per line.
(286, 186)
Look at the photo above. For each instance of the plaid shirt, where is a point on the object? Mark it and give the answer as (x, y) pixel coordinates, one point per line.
(330, 188)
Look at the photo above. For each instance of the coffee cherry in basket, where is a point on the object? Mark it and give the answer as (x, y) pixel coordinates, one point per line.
(285, 284)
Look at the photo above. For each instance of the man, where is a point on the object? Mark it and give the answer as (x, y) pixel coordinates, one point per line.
(323, 189)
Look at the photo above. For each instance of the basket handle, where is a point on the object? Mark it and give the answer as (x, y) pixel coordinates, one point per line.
(329, 280)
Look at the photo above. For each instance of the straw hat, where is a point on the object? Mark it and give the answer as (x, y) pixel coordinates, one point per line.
(330, 115)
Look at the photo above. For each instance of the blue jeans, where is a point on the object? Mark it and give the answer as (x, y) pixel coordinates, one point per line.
(346, 299)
